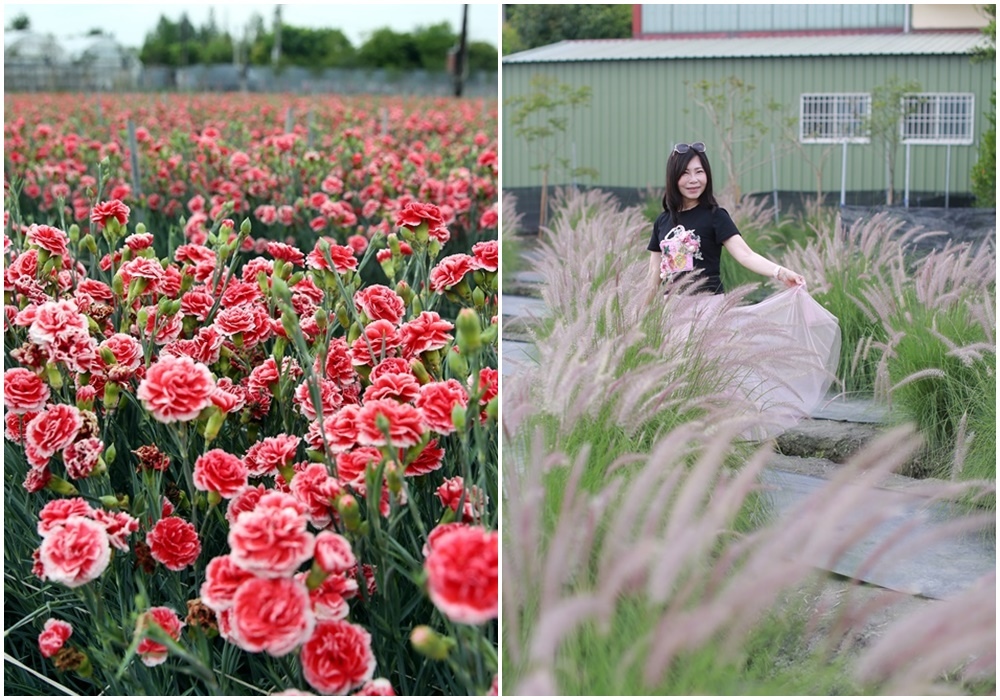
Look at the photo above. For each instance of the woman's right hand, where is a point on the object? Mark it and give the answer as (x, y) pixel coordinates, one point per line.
(790, 277)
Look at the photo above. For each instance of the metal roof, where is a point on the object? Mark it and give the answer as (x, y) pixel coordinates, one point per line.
(917, 44)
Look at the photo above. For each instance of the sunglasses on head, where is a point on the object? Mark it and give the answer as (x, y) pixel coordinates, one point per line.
(682, 148)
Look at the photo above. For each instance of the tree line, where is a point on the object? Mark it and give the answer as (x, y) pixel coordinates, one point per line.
(180, 43)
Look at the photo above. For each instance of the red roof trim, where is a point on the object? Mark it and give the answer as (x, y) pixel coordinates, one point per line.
(636, 21)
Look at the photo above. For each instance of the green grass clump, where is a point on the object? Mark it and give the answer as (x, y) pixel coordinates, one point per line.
(773, 660)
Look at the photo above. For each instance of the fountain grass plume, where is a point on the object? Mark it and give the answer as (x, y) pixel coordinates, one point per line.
(841, 264)
(664, 537)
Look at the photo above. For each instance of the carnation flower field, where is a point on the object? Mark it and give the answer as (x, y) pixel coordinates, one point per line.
(250, 395)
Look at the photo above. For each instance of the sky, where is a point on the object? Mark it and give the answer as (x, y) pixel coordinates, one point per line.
(129, 23)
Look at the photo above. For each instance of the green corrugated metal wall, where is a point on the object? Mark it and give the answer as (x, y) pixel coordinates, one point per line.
(663, 19)
(640, 108)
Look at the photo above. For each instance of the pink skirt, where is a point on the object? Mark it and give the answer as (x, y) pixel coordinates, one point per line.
(784, 350)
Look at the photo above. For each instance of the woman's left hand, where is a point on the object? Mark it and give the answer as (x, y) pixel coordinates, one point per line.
(790, 277)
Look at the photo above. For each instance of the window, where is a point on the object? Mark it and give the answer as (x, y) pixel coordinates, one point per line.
(938, 118)
(834, 117)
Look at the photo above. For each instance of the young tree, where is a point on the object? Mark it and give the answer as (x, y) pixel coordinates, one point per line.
(888, 111)
(732, 109)
(538, 118)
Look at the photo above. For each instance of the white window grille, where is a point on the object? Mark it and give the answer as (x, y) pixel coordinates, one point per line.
(834, 117)
(938, 118)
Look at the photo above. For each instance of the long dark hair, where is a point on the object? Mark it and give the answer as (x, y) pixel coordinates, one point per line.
(677, 163)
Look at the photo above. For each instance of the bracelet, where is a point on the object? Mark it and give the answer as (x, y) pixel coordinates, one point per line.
(777, 273)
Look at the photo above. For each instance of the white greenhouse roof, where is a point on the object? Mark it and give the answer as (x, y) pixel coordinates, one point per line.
(916, 44)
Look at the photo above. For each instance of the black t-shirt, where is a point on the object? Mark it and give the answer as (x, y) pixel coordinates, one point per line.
(712, 226)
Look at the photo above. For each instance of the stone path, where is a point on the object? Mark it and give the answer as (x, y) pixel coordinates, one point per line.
(810, 454)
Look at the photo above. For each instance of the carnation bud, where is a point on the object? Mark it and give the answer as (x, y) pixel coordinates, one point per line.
(388, 268)
(61, 486)
(89, 244)
(430, 643)
(458, 416)
(214, 424)
(262, 282)
(342, 316)
(53, 376)
(109, 501)
(417, 306)
(280, 290)
(296, 278)
(289, 322)
(163, 306)
(74, 232)
(118, 285)
(350, 512)
(394, 477)
(321, 319)
(245, 226)
(458, 365)
(108, 356)
(393, 241)
(478, 297)
(353, 333)
(404, 291)
(492, 408)
(419, 371)
(489, 336)
(110, 453)
(468, 330)
(111, 395)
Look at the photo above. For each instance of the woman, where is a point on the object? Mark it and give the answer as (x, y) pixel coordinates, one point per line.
(804, 338)
(688, 202)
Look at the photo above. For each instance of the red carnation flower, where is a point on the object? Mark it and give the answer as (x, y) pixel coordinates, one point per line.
(153, 653)
(75, 552)
(414, 214)
(48, 238)
(24, 391)
(174, 543)
(404, 423)
(113, 209)
(338, 657)
(463, 574)
(436, 402)
(220, 472)
(450, 271)
(426, 332)
(271, 614)
(379, 302)
(487, 256)
(53, 637)
(176, 389)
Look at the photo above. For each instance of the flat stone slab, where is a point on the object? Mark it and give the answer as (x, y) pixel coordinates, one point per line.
(940, 568)
(854, 409)
(513, 305)
(528, 277)
(515, 355)
(833, 440)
